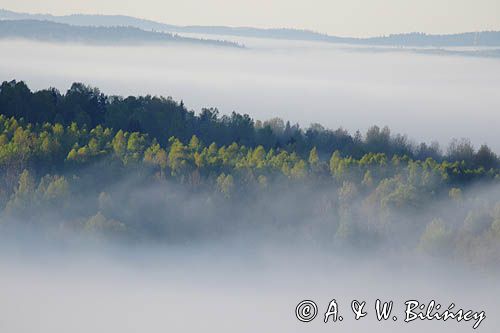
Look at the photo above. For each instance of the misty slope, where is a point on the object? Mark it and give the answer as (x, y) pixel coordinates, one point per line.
(93, 20)
(60, 32)
(485, 38)
(145, 168)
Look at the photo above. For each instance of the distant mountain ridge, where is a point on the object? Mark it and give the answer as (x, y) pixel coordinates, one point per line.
(49, 31)
(484, 38)
(87, 20)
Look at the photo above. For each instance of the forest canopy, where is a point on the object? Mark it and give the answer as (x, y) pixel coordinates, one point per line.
(147, 168)
(162, 118)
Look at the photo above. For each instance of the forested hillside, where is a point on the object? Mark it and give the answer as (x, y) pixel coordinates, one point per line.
(148, 168)
(414, 39)
(163, 118)
(47, 31)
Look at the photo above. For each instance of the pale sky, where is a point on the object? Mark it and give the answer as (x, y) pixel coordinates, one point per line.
(337, 17)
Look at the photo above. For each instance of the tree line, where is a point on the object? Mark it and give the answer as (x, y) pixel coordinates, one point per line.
(162, 118)
(45, 30)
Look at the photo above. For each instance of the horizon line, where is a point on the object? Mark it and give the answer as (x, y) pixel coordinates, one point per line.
(250, 26)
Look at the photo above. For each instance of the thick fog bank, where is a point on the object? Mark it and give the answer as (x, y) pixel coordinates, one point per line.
(427, 97)
(246, 281)
(227, 288)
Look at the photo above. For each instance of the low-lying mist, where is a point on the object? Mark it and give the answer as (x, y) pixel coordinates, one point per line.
(227, 287)
(236, 264)
(427, 97)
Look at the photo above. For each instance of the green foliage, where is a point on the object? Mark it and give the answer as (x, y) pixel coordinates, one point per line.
(436, 238)
(161, 118)
(455, 194)
(24, 195)
(313, 157)
(178, 157)
(225, 184)
(98, 225)
(86, 142)
(368, 179)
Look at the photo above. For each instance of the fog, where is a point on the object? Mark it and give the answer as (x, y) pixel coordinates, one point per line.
(227, 288)
(249, 278)
(242, 264)
(428, 97)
